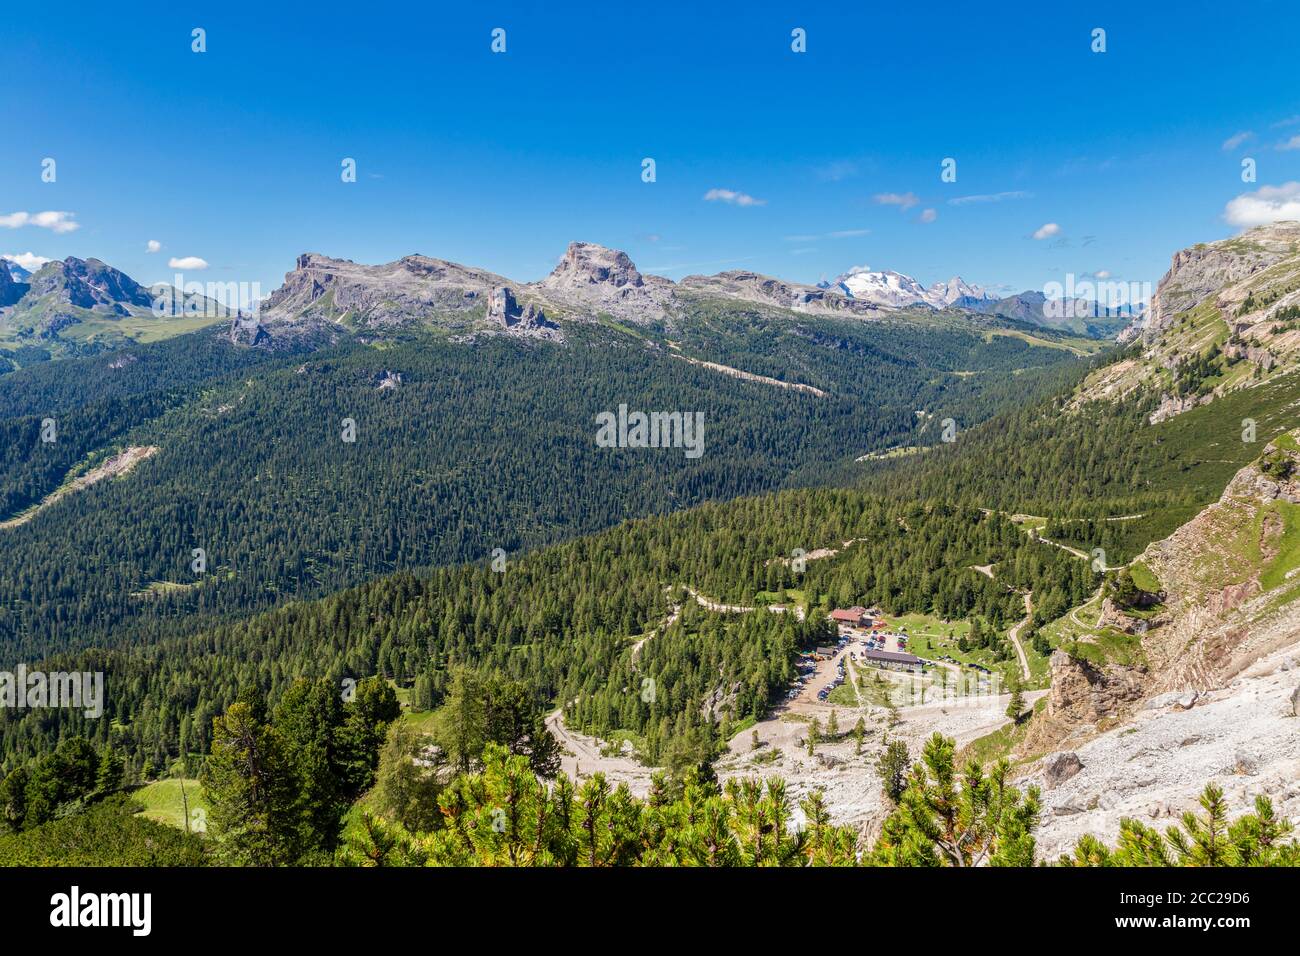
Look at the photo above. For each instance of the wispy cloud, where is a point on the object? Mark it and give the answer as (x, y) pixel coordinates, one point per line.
(990, 197)
(1047, 230)
(153, 245)
(1267, 204)
(1290, 144)
(1289, 121)
(732, 197)
(927, 215)
(55, 221)
(1236, 139)
(837, 234)
(187, 262)
(836, 171)
(903, 201)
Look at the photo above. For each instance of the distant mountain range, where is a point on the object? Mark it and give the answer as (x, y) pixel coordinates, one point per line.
(82, 306)
(897, 291)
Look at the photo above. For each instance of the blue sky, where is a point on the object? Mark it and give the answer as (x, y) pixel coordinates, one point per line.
(233, 155)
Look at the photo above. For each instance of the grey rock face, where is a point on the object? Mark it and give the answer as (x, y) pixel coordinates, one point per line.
(594, 279)
(1203, 270)
(587, 264)
(505, 310)
(1295, 703)
(321, 290)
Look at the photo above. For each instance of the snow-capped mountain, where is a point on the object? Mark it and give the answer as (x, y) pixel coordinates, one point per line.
(957, 291)
(895, 290)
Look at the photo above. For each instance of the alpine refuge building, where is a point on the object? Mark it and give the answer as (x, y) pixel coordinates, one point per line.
(893, 661)
(853, 617)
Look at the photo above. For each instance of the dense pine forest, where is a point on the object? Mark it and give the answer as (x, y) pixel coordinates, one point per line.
(565, 618)
(480, 447)
(1083, 464)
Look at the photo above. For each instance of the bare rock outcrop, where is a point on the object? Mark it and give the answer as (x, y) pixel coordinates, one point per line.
(1203, 270)
(505, 310)
(1171, 405)
(1083, 692)
(1083, 695)
(595, 279)
(1060, 767)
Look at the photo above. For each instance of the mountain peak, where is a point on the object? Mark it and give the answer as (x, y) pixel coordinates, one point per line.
(87, 283)
(595, 277)
(589, 263)
(896, 290)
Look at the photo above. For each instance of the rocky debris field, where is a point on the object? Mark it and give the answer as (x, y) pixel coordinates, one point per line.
(1244, 737)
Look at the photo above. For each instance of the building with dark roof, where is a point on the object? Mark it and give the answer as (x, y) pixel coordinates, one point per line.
(892, 660)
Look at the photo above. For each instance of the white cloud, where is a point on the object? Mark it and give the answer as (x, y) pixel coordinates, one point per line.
(1102, 274)
(1047, 230)
(902, 200)
(733, 197)
(1289, 121)
(1236, 139)
(56, 221)
(1292, 143)
(187, 262)
(854, 270)
(927, 215)
(1265, 205)
(848, 233)
(28, 260)
(153, 245)
(990, 197)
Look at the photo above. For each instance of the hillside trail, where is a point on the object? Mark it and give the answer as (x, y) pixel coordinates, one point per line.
(1016, 631)
(668, 622)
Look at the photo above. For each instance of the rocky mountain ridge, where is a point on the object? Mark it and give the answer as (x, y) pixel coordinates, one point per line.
(1226, 316)
(323, 295)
